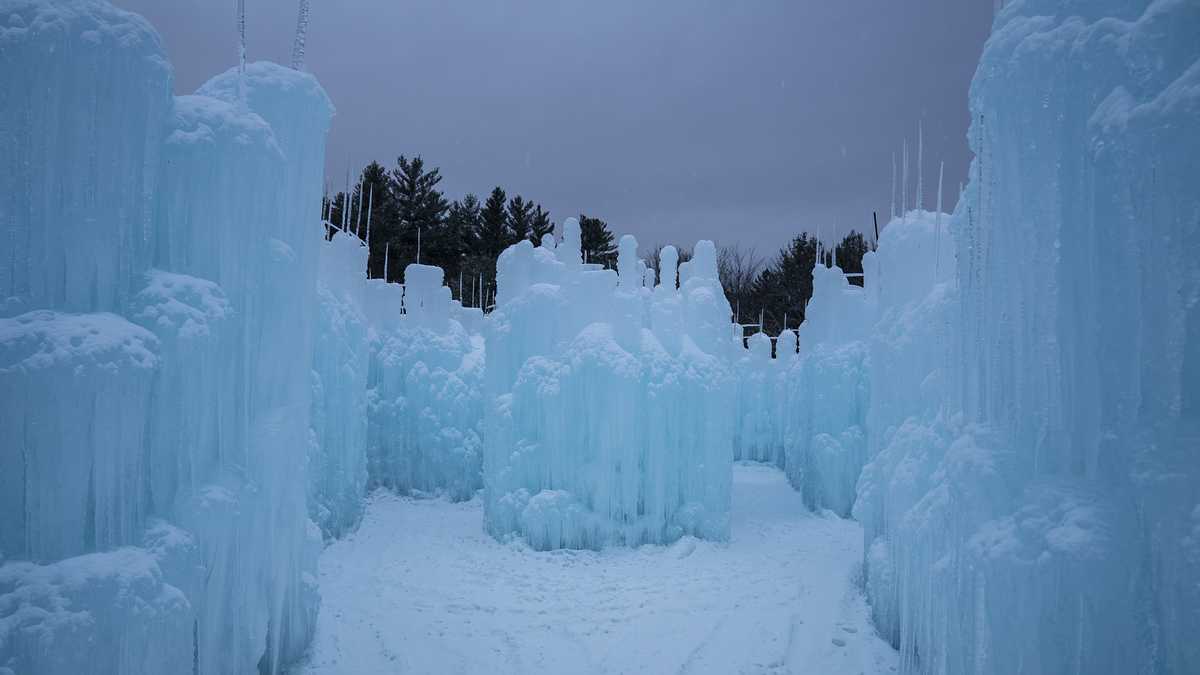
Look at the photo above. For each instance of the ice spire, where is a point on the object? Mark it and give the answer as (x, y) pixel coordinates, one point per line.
(418, 245)
(301, 37)
(370, 206)
(668, 265)
(240, 8)
(358, 231)
(904, 183)
(937, 223)
(387, 253)
(920, 163)
(893, 185)
(346, 202)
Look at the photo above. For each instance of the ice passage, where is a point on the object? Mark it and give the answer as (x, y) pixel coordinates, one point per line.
(994, 442)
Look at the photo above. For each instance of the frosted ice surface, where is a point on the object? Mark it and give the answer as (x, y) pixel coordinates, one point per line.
(79, 152)
(1010, 406)
(337, 470)
(1034, 414)
(155, 352)
(424, 395)
(758, 382)
(609, 406)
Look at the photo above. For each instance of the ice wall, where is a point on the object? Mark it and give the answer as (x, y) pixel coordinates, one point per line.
(227, 214)
(824, 392)
(337, 466)
(609, 405)
(424, 399)
(755, 435)
(86, 88)
(1033, 507)
(155, 366)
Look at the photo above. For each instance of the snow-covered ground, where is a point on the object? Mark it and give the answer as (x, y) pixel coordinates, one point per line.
(421, 588)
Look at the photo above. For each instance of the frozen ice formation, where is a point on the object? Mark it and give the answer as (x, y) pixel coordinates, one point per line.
(425, 411)
(337, 462)
(195, 389)
(609, 413)
(1031, 505)
(159, 283)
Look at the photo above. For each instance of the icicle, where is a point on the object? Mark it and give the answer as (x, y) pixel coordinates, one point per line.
(460, 295)
(904, 184)
(346, 202)
(937, 224)
(301, 37)
(370, 207)
(418, 245)
(784, 324)
(920, 164)
(241, 28)
(387, 253)
(358, 226)
(893, 211)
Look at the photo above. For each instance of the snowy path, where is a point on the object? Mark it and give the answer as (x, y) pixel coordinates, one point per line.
(420, 588)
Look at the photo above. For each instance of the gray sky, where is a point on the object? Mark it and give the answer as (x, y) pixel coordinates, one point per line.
(740, 121)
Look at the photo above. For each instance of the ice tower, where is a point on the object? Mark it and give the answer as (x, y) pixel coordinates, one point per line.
(608, 422)
(155, 352)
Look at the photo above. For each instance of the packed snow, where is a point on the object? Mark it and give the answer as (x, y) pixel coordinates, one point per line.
(421, 588)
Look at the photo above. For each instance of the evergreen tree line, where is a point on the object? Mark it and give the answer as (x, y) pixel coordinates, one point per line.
(405, 218)
(778, 289)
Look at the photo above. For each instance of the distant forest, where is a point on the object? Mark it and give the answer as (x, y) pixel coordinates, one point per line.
(404, 215)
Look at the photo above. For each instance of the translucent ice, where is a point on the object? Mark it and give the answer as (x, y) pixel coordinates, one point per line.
(609, 410)
(156, 352)
(424, 400)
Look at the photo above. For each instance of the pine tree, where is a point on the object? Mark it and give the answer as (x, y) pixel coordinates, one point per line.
(520, 219)
(784, 287)
(493, 225)
(419, 206)
(379, 211)
(597, 241)
(541, 224)
(850, 253)
(462, 223)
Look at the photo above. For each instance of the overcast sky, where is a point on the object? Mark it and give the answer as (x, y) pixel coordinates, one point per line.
(740, 121)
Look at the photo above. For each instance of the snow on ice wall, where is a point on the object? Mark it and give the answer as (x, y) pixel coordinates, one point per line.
(75, 228)
(1035, 507)
(425, 410)
(153, 449)
(609, 409)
